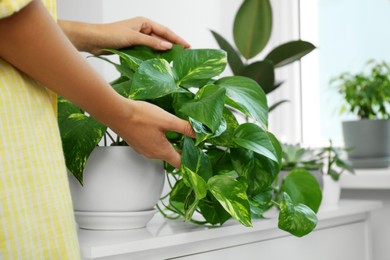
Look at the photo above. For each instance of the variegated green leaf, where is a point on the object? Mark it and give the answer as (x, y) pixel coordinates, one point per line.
(203, 134)
(256, 139)
(80, 134)
(153, 79)
(232, 196)
(247, 96)
(199, 64)
(297, 219)
(207, 107)
(129, 61)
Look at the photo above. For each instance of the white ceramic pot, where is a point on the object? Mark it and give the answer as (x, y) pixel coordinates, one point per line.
(330, 193)
(120, 191)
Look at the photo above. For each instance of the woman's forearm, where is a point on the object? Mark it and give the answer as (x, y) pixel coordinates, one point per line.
(43, 52)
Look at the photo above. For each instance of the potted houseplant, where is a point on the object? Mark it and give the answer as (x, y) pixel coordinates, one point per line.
(229, 168)
(333, 166)
(367, 96)
(252, 31)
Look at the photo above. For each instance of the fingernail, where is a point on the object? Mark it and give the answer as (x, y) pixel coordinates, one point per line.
(166, 45)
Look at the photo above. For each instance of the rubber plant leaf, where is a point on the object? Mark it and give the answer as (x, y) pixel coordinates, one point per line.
(207, 106)
(232, 196)
(199, 64)
(263, 73)
(247, 96)
(289, 52)
(252, 27)
(254, 138)
(297, 219)
(153, 79)
(233, 58)
(303, 188)
(80, 134)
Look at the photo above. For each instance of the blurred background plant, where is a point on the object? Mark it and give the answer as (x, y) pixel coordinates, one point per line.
(251, 32)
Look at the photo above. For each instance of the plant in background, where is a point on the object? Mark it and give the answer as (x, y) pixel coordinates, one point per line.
(334, 164)
(229, 169)
(366, 94)
(296, 156)
(251, 31)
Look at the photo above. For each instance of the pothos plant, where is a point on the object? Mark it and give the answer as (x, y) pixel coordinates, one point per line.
(229, 169)
(252, 31)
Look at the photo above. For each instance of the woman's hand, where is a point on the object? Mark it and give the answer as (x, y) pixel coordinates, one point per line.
(93, 38)
(143, 126)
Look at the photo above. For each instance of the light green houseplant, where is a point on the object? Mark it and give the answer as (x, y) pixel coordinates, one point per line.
(230, 168)
(367, 95)
(252, 31)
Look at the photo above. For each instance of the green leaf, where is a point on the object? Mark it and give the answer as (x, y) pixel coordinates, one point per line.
(123, 88)
(129, 61)
(297, 219)
(233, 58)
(123, 70)
(153, 79)
(225, 139)
(232, 196)
(247, 96)
(277, 104)
(289, 52)
(303, 188)
(263, 73)
(147, 53)
(194, 159)
(207, 107)
(203, 133)
(254, 138)
(221, 162)
(178, 195)
(261, 203)
(258, 171)
(212, 211)
(199, 64)
(252, 27)
(80, 134)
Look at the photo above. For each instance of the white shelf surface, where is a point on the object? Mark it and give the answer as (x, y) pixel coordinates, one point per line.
(173, 238)
(366, 179)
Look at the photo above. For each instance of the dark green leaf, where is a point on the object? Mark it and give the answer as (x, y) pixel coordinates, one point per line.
(247, 96)
(233, 57)
(263, 73)
(194, 159)
(258, 171)
(252, 27)
(254, 138)
(297, 219)
(199, 64)
(123, 70)
(207, 107)
(277, 104)
(225, 139)
(153, 79)
(203, 133)
(212, 211)
(232, 196)
(123, 88)
(289, 52)
(303, 188)
(261, 203)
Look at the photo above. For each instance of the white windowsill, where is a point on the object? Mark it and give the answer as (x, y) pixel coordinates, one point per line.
(366, 179)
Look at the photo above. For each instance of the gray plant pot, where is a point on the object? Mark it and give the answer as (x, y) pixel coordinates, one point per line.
(369, 141)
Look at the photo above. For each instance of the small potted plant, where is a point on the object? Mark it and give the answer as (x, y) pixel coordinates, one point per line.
(229, 169)
(333, 166)
(367, 96)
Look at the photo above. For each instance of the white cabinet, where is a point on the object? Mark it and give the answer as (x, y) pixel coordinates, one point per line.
(343, 233)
